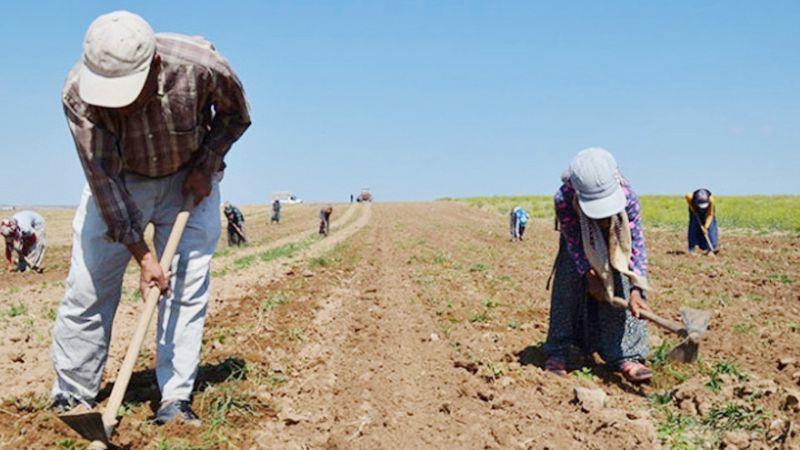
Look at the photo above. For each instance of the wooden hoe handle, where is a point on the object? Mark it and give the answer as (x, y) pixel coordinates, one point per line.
(651, 316)
(151, 301)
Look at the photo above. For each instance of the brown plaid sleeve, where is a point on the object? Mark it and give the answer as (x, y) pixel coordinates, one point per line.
(231, 114)
(101, 161)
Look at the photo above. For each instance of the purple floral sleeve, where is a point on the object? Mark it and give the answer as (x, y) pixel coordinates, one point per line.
(571, 227)
(638, 262)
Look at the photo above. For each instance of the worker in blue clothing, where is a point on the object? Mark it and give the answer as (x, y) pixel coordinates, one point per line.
(703, 232)
(518, 221)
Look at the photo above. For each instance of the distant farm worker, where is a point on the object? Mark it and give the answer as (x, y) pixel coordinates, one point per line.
(601, 254)
(236, 229)
(276, 211)
(518, 221)
(152, 117)
(24, 235)
(703, 230)
(325, 220)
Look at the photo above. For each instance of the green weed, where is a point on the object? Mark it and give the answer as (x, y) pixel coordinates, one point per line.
(482, 316)
(318, 262)
(715, 382)
(441, 260)
(513, 324)
(743, 328)
(270, 303)
(660, 354)
(496, 370)
(661, 398)
(585, 374)
(295, 333)
(734, 417)
(18, 310)
(49, 314)
(69, 444)
(478, 267)
(674, 429)
(783, 279)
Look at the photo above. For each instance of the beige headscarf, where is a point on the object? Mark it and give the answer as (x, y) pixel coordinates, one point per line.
(614, 255)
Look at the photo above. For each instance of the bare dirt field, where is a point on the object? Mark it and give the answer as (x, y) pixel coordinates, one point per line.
(420, 325)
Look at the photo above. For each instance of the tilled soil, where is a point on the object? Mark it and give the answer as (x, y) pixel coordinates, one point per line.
(420, 326)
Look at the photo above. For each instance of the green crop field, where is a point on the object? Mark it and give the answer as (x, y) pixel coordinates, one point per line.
(759, 213)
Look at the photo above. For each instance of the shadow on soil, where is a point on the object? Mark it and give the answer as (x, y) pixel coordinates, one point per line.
(143, 386)
(534, 355)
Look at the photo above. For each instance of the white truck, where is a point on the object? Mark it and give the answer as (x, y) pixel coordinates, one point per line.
(286, 198)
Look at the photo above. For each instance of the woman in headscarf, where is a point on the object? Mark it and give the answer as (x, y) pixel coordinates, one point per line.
(602, 254)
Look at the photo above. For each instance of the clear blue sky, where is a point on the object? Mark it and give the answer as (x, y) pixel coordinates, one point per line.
(423, 99)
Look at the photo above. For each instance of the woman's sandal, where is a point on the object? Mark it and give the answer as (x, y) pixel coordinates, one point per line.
(557, 366)
(635, 372)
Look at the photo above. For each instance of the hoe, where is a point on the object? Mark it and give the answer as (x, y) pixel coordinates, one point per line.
(693, 326)
(98, 427)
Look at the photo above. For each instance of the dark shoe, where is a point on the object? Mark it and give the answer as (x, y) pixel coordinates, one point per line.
(180, 410)
(63, 403)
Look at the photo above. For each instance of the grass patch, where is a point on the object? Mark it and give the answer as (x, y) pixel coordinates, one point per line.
(762, 213)
(318, 262)
(244, 262)
(224, 252)
(782, 279)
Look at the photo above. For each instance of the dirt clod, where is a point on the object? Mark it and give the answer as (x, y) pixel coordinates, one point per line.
(785, 362)
(736, 440)
(791, 401)
(590, 399)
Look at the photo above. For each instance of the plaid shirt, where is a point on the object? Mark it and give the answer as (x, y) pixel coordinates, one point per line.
(176, 128)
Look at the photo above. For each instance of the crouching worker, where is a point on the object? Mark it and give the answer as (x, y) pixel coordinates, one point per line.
(236, 231)
(518, 222)
(703, 232)
(601, 254)
(325, 220)
(24, 235)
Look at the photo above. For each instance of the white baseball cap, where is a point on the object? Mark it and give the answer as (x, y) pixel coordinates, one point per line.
(595, 177)
(117, 54)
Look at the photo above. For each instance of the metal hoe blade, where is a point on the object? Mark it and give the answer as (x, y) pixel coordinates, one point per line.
(87, 422)
(695, 324)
